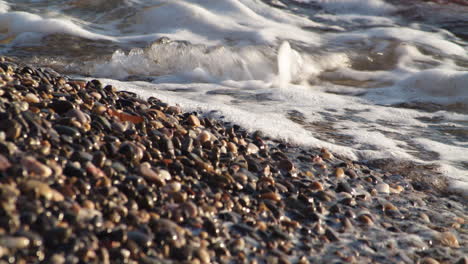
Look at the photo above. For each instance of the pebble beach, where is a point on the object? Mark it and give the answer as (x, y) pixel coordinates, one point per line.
(92, 174)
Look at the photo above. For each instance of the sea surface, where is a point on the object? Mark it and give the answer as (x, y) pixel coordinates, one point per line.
(367, 79)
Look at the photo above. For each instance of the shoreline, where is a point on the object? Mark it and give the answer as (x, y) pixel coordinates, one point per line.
(88, 173)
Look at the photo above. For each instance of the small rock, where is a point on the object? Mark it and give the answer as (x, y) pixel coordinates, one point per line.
(449, 239)
(204, 136)
(4, 163)
(326, 154)
(31, 98)
(271, 196)
(35, 167)
(382, 188)
(252, 148)
(316, 186)
(339, 173)
(193, 121)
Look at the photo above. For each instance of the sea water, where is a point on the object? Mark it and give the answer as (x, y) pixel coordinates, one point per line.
(367, 79)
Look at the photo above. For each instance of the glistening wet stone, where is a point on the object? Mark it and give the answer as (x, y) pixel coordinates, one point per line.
(89, 174)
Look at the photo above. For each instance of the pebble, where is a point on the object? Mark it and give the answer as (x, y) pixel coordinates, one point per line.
(35, 167)
(339, 173)
(32, 98)
(449, 239)
(271, 196)
(193, 121)
(382, 188)
(4, 163)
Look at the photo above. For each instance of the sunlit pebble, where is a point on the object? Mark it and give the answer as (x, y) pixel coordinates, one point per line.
(172, 187)
(99, 109)
(326, 154)
(382, 188)
(316, 186)
(365, 219)
(35, 167)
(31, 98)
(397, 189)
(449, 239)
(271, 196)
(204, 136)
(252, 148)
(193, 121)
(339, 173)
(261, 225)
(389, 206)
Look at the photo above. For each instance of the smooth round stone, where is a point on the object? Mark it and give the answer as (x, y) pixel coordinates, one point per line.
(382, 188)
(339, 173)
(193, 121)
(31, 98)
(252, 148)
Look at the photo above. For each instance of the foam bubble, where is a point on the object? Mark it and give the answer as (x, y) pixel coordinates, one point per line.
(4, 7)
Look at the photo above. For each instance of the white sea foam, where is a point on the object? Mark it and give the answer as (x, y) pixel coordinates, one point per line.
(3, 7)
(328, 84)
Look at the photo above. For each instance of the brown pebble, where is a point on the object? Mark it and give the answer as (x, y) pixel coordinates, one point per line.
(174, 110)
(339, 173)
(326, 154)
(271, 196)
(4, 163)
(449, 239)
(31, 98)
(365, 219)
(316, 186)
(193, 121)
(429, 261)
(36, 168)
(204, 136)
